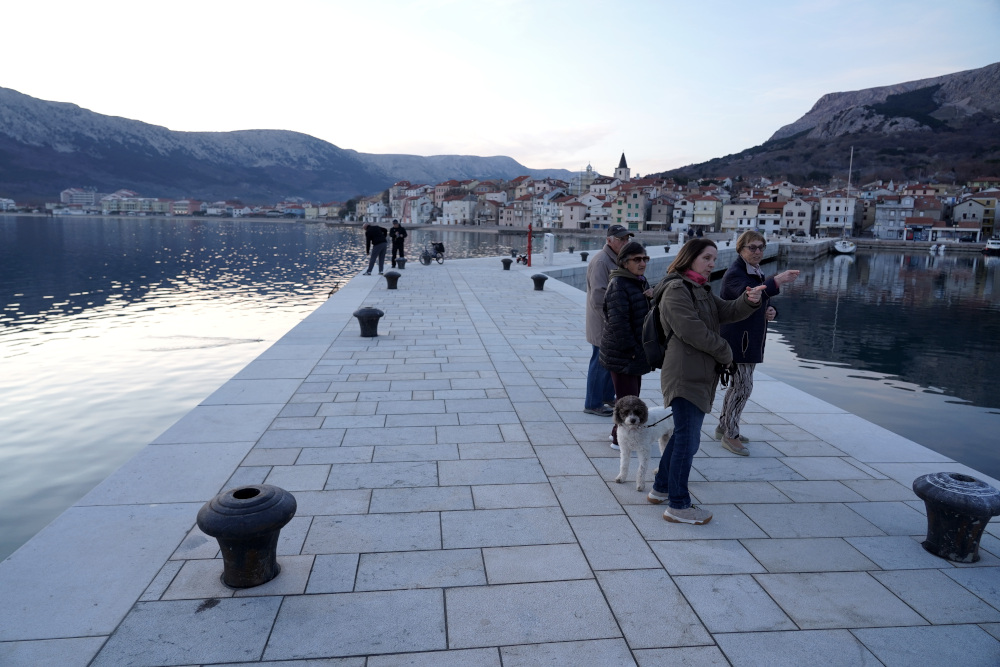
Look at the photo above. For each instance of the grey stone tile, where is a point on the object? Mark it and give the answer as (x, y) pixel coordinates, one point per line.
(253, 392)
(276, 368)
(63, 652)
(245, 476)
(420, 569)
(387, 453)
(492, 450)
(191, 632)
(728, 523)
(42, 595)
(992, 628)
(896, 552)
(373, 532)
(364, 624)
(548, 433)
(816, 554)
(271, 457)
(335, 455)
(595, 652)
(917, 647)
(296, 423)
(505, 528)
(161, 581)
(527, 614)
(817, 492)
(408, 435)
(500, 419)
(826, 600)
(705, 557)
(425, 499)
(733, 603)
(881, 490)
(197, 544)
(383, 475)
(293, 535)
(299, 477)
(984, 582)
(311, 503)
(472, 657)
(357, 408)
(796, 648)
(894, 518)
(742, 469)
(170, 474)
(547, 562)
(567, 460)
(351, 422)
(220, 423)
(612, 543)
(714, 493)
(333, 573)
(306, 438)
(511, 496)
(198, 580)
(806, 448)
(469, 433)
(586, 495)
(810, 520)
(632, 594)
(491, 471)
(937, 597)
(418, 419)
(687, 656)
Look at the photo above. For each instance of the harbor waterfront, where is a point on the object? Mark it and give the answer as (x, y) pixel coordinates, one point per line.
(122, 325)
(454, 501)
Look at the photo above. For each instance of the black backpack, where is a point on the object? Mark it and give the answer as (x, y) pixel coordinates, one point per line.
(654, 341)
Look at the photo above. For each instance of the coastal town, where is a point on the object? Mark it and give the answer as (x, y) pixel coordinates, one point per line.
(882, 210)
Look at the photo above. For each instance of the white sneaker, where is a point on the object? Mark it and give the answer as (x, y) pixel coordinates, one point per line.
(615, 447)
(693, 515)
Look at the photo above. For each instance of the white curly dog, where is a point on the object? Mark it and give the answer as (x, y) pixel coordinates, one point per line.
(638, 428)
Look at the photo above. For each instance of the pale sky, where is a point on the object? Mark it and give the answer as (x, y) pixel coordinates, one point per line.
(550, 83)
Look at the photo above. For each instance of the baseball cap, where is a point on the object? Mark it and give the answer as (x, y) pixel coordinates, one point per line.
(619, 231)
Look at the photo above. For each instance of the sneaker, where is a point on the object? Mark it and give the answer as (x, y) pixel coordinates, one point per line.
(735, 446)
(614, 446)
(600, 412)
(380, 273)
(719, 434)
(367, 273)
(656, 497)
(610, 405)
(693, 514)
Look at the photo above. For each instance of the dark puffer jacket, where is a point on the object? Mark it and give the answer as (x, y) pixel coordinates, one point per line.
(625, 307)
(747, 337)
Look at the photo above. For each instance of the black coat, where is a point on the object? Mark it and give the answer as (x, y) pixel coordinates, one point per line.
(625, 308)
(747, 337)
(374, 235)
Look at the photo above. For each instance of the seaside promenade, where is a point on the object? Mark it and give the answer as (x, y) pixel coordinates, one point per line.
(457, 507)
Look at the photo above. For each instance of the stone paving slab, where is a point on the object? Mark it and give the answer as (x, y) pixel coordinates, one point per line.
(457, 507)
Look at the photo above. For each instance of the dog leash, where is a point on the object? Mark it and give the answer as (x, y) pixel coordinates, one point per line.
(660, 420)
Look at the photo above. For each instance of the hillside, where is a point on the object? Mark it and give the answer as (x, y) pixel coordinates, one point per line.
(46, 147)
(946, 128)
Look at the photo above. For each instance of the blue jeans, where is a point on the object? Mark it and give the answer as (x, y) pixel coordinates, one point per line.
(599, 385)
(675, 464)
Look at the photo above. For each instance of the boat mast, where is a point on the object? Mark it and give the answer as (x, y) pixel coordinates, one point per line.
(850, 167)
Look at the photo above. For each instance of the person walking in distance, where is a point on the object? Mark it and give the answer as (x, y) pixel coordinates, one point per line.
(600, 390)
(746, 337)
(695, 358)
(375, 245)
(397, 234)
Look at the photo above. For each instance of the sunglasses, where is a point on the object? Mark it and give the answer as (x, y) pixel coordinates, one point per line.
(756, 248)
(639, 259)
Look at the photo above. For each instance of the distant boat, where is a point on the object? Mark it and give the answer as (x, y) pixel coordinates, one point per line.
(844, 247)
(933, 249)
(992, 246)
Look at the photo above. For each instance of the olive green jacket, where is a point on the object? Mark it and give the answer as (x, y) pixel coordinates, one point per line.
(696, 347)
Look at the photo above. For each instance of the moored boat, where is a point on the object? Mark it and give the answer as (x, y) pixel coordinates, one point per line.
(844, 247)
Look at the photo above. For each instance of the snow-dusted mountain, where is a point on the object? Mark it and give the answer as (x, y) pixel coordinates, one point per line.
(46, 147)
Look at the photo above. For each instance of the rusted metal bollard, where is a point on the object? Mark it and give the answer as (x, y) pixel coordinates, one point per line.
(246, 521)
(401, 263)
(506, 261)
(368, 319)
(391, 277)
(539, 279)
(958, 509)
(583, 256)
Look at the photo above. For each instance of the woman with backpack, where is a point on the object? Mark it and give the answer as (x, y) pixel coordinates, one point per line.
(625, 306)
(695, 357)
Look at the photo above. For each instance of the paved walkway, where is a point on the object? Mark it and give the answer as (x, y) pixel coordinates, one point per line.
(457, 507)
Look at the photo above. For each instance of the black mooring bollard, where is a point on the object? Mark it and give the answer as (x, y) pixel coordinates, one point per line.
(571, 249)
(368, 319)
(246, 521)
(666, 248)
(539, 279)
(401, 263)
(391, 277)
(958, 509)
(513, 252)
(506, 261)
(583, 256)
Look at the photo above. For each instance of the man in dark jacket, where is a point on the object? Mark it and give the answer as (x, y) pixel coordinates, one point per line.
(397, 234)
(376, 241)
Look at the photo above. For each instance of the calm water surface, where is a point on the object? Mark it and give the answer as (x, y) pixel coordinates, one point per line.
(112, 329)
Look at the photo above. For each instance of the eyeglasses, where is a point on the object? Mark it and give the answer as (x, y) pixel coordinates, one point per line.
(639, 259)
(756, 248)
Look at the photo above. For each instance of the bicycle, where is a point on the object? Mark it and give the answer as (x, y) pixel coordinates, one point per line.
(426, 256)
